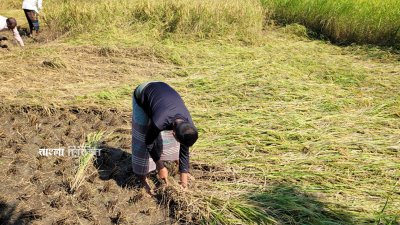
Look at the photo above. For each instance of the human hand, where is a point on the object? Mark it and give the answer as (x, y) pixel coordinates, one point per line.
(163, 174)
(184, 181)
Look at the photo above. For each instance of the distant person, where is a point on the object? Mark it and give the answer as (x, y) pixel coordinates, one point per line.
(31, 9)
(158, 107)
(11, 25)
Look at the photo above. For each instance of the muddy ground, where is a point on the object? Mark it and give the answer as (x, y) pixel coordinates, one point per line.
(36, 189)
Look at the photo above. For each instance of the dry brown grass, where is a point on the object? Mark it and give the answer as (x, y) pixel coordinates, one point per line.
(60, 73)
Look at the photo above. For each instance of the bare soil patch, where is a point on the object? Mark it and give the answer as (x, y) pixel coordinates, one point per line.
(35, 189)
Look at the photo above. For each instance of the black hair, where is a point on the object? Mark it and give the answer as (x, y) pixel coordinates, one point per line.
(11, 23)
(186, 133)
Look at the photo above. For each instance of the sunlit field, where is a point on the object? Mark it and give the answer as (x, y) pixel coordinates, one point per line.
(297, 105)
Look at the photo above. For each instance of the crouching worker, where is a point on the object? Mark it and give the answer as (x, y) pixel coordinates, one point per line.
(10, 24)
(162, 130)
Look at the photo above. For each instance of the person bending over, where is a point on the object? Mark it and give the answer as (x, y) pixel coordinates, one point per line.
(158, 107)
(11, 25)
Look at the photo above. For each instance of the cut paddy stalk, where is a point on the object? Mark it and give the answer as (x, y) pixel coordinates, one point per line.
(198, 207)
(92, 142)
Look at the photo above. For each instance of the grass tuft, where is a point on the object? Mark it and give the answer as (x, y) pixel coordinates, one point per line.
(55, 63)
(92, 142)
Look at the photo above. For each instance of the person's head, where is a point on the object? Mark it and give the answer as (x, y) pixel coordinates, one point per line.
(185, 133)
(11, 23)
